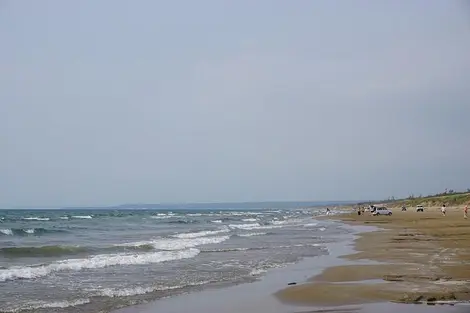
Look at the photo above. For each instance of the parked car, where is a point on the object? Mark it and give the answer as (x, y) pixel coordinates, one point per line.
(382, 211)
(419, 208)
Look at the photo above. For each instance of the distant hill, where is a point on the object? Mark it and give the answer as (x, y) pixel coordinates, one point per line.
(234, 205)
(449, 199)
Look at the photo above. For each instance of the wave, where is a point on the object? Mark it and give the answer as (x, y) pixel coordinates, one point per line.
(44, 251)
(36, 305)
(183, 222)
(310, 225)
(138, 290)
(161, 217)
(82, 216)
(29, 231)
(168, 244)
(255, 226)
(230, 249)
(217, 221)
(36, 218)
(98, 261)
(259, 248)
(258, 271)
(7, 232)
(286, 221)
(251, 234)
(245, 226)
(249, 220)
(203, 233)
(61, 250)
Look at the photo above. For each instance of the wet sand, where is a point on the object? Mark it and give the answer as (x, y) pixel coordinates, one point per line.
(421, 257)
(259, 297)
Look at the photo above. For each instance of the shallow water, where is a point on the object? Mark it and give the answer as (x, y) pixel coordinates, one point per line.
(96, 259)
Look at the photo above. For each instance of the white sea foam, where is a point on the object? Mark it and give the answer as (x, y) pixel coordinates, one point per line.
(286, 221)
(98, 261)
(254, 226)
(160, 217)
(252, 234)
(249, 219)
(64, 217)
(184, 243)
(258, 271)
(36, 218)
(82, 216)
(29, 231)
(245, 226)
(311, 225)
(125, 292)
(171, 244)
(7, 232)
(217, 221)
(132, 291)
(49, 305)
(203, 233)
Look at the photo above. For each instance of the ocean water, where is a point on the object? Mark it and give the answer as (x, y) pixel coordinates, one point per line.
(97, 260)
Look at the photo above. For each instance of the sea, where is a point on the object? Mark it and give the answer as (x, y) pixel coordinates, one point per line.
(102, 259)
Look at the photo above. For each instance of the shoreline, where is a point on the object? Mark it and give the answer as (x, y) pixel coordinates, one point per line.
(259, 296)
(420, 258)
(263, 296)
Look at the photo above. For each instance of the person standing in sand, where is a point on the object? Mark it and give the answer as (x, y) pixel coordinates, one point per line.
(443, 210)
(465, 211)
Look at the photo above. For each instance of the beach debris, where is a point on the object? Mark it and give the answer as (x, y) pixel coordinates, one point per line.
(293, 283)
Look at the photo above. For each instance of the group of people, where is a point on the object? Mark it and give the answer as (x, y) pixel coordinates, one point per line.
(362, 210)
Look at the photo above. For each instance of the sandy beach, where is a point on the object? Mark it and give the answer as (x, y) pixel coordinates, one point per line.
(418, 257)
(356, 276)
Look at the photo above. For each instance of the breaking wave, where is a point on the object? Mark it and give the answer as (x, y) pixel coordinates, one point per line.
(36, 218)
(133, 291)
(252, 234)
(82, 217)
(170, 244)
(98, 261)
(201, 233)
(47, 305)
(44, 251)
(29, 231)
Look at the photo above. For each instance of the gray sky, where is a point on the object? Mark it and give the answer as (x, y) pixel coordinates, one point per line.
(108, 102)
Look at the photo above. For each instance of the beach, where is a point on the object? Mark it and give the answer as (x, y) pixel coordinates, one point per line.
(276, 261)
(370, 267)
(418, 257)
(101, 259)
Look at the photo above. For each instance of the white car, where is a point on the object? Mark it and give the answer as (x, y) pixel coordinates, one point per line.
(382, 211)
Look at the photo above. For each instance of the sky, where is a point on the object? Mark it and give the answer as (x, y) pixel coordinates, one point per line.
(113, 101)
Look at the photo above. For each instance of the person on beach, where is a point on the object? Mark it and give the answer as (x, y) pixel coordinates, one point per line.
(465, 211)
(443, 210)
(327, 211)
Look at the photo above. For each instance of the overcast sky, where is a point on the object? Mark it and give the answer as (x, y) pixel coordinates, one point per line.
(109, 102)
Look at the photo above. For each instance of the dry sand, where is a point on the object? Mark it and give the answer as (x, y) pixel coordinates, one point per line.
(424, 257)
